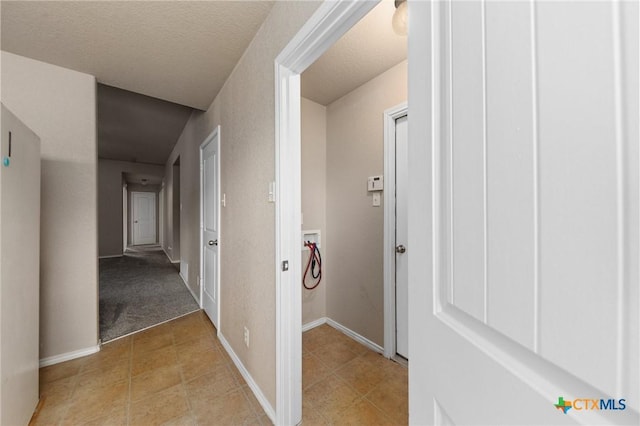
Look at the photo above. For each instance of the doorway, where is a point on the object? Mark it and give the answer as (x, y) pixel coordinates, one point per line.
(210, 226)
(396, 233)
(143, 218)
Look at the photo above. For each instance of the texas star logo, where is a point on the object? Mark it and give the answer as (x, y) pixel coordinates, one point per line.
(563, 405)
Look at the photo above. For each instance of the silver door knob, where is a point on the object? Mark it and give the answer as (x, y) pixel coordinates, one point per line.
(213, 242)
(400, 249)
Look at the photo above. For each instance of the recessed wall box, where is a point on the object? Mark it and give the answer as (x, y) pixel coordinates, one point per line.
(375, 183)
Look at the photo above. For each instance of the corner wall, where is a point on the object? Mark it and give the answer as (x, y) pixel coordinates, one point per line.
(60, 106)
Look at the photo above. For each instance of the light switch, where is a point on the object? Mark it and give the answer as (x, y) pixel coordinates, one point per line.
(376, 199)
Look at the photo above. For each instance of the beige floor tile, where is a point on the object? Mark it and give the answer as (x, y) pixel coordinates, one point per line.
(363, 413)
(313, 370)
(62, 370)
(363, 374)
(115, 418)
(185, 420)
(160, 408)
(317, 337)
(151, 342)
(109, 373)
(146, 384)
(204, 389)
(49, 412)
(335, 355)
(97, 401)
(330, 397)
(151, 360)
(253, 401)
(59, 390)
(312, 417)
(201, 363)
(392, 398)
(231, 408)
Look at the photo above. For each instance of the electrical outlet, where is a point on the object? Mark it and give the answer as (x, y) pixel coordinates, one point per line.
(246, 336)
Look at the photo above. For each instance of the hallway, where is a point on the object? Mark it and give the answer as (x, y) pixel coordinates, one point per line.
(139, 290)
(178, 373)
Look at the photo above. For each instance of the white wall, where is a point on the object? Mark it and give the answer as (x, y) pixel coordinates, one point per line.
(244, 109)
(60, 106)
(313, 117)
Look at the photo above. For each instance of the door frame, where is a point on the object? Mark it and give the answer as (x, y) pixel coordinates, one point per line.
(214, 137)
(133, 214)
(329, 22)
(390, 117)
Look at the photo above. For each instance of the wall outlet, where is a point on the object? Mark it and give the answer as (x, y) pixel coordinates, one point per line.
(246, 336)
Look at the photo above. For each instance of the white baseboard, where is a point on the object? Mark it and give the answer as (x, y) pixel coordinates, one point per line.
(56, 359)
(169, 257)
(271, 413)
(189, 288)
(110, 256)
(355, 336)
(313, 324)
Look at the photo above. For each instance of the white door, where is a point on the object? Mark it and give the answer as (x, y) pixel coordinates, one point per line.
(523, 213)
(19, 271)
(210, 222)
(402, 273)
(143, 215)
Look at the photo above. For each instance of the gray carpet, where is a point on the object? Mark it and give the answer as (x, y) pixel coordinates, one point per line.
(139, 290)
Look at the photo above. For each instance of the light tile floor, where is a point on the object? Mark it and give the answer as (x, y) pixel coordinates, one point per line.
(179, 374)
(345, 383)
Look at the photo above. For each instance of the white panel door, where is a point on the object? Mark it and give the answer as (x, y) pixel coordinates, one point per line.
(402, 273)
(524, 220)
(19, 271)
(210, 164)
(143, 217)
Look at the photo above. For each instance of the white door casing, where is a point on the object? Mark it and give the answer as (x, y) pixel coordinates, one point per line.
(143, 217)
(331, 20)
(523, 212)
(393, 220)
(210, 226)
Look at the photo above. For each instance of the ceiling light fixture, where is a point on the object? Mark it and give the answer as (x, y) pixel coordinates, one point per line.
(144, 181)
(400, 20)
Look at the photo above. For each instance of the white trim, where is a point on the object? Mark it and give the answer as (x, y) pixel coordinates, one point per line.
(110, 256)
(186, 284)
(213, 136)
(330, 22)
(313, 324)
(169, 257)
(390, 117)
(262, 399)
(355, 336)
(56, 359)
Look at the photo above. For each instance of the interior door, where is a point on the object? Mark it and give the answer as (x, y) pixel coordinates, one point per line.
(144, 217)
(19, 271)
(524, 213)
(402, 273)
(210, 223)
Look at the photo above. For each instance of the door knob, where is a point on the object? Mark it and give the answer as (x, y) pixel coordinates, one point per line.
(213, 242)
(400, 249)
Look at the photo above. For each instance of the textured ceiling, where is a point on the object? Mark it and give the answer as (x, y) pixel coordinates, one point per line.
(368, 49)
(179, 51)
(138, 128)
